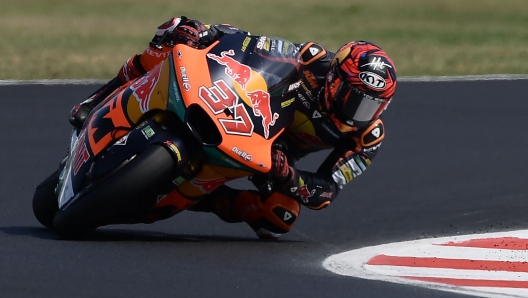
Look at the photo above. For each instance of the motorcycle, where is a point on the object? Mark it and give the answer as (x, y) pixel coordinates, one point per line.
(160, 143)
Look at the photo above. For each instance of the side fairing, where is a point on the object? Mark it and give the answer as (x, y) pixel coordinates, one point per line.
(117, 117)
(236, 97)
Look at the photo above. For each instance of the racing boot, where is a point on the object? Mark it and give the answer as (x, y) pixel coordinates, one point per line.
(80, 112)
(131, 70)
(269, 217)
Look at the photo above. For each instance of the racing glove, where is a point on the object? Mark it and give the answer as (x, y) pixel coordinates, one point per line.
(183, 31)
(280, 170)
(193, 33)
(286, 179)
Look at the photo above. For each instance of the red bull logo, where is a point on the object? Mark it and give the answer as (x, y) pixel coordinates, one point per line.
(143, 87)
(260, 101)
(242, 75)
(305, 193)
(239, 72)
(208, 185)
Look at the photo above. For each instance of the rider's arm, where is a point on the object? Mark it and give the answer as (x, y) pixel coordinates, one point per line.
(177, 30)
(347, 161)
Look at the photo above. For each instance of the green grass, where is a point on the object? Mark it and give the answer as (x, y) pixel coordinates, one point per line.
(47, 39)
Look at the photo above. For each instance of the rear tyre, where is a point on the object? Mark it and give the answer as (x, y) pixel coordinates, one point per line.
(45, 201)
(118, 196)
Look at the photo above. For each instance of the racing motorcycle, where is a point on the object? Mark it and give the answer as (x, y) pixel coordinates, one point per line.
(160, 143)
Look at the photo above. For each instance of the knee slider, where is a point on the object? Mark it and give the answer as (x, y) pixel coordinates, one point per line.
(276, 213)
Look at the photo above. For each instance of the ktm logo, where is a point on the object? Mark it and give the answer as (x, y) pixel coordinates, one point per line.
(311, 79)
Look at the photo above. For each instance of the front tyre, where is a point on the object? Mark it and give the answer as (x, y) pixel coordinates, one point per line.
(45, 201)
(114, 197)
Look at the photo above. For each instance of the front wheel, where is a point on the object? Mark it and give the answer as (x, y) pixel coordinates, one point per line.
(126, 189)
(45, 201)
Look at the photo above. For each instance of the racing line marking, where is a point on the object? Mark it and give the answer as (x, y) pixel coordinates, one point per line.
(486, 265)
(490, 77)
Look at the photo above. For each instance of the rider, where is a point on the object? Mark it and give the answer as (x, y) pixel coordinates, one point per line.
(343, 95)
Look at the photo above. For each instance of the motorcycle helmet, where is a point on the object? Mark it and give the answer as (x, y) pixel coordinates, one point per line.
(360, 84)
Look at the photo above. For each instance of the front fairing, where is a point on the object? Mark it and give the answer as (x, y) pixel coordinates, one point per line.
(237, 91)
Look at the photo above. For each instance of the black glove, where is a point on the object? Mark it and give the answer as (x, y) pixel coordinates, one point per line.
(280, 169)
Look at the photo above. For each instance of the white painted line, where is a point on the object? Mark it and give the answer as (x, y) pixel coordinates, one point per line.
(486, 265)
(51, 82)
(427, 250)
(447, 273)
(490, 77)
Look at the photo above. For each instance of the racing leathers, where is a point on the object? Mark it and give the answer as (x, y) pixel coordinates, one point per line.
(313, 129)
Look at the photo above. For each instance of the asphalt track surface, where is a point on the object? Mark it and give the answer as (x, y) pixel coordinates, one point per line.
(453, 162)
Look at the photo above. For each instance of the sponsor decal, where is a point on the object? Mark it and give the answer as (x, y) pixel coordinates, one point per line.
(376, 132)
(260, 101)
(263, 43)
(185, 78)
(373, 148)
(287, 102)
(294, 86)
(327, 195)
(280, 46)
(314, 51)
(122, 141)
(372, 80)
(304, 193)
(311, 79)
(307, 91)
(174, 149)
(286, 47)
(245, 156)
(208, 185)
(178, 181)
(360, 163)
(376, 64)
(81, 155)
(157, 54)
(245, 43)
(143, 87)
(273, 44)
(330, 130)
(304, 101)
(239, 72)
(347, 173)
(148, 132)
(176, 90)
(339, 178)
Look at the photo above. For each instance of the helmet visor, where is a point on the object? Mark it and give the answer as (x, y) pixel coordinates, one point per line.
(356, 108)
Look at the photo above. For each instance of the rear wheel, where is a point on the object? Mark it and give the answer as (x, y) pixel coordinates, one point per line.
(117, 197)
(45, 201)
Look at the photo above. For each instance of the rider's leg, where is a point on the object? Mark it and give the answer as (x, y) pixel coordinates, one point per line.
(269, 217)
